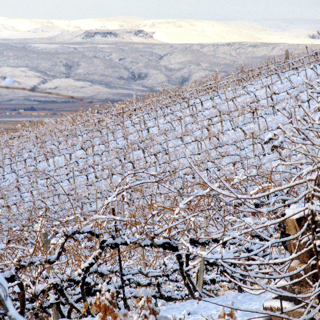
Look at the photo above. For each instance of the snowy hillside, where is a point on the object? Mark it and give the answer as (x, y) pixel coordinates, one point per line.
(120, 70)
(147, 193)
(113, 59)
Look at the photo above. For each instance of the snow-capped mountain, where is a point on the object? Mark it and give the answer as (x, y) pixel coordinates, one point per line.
(169, 31)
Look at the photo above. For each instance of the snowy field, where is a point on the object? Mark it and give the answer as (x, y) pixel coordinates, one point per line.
(201, 310)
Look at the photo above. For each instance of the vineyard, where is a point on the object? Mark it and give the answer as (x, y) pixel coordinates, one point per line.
(187, 193)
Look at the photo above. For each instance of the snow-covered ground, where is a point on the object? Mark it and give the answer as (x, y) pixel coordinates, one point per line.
(210, 307)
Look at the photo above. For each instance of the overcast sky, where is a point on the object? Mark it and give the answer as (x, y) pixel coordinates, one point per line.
(162, 9)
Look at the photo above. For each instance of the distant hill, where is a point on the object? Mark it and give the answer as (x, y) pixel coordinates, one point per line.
(168, 31)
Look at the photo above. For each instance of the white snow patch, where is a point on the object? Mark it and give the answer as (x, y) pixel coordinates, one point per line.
(193, 309)
(8, 82)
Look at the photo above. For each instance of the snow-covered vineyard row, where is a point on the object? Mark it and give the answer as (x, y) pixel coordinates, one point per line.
(148, 193)
(103, 145)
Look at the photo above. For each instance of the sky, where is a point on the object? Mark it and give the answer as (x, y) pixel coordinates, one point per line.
(216, 10)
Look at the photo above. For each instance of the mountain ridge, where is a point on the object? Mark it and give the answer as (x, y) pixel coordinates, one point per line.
(171, 31)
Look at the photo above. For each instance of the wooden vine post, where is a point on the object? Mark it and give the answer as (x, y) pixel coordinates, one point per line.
(45, 243)
(301, 283)
(200, 272)
(123, 288)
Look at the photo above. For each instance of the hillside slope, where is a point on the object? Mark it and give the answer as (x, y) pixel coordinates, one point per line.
(117, 70)
(219, 120)
(147, 176)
